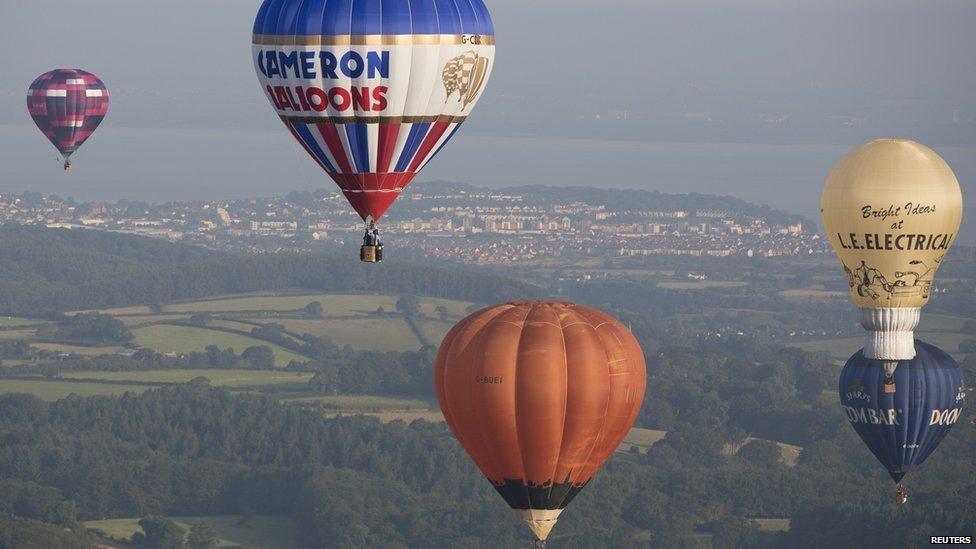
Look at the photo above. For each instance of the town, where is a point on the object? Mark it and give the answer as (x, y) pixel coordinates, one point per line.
(452, 222)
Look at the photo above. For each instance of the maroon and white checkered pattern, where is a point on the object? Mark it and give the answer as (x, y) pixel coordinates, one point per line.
(67, 105)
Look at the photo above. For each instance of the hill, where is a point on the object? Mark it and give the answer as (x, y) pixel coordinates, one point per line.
(49, 271)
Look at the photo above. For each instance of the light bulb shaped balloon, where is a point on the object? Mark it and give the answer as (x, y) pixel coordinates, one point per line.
(891, 209)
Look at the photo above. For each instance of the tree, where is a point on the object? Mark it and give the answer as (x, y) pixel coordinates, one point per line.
(314, 309)
(325, 382)
(969, 327)
(65, 513)
(443, 313)
(200, 319)
(259, 356)
(89, 328)
(202, 536)
(161, 533)
(408, 306)
(967, 346)
(761, 452)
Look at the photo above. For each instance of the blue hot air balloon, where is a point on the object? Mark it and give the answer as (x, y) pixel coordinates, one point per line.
(902, 410)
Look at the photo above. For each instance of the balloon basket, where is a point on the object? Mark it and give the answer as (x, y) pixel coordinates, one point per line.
(901, 495)
(371, 254)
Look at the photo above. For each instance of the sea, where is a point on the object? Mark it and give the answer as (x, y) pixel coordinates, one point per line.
(159, 165)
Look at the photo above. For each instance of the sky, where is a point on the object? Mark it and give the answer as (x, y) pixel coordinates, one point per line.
(752, 98)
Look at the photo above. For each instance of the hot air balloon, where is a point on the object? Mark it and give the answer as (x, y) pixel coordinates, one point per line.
(540, 395)
(904, 427)
(891, 209)
(373, 89)
(67, 105)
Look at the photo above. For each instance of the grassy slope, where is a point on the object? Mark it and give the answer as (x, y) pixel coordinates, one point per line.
(56, 390)
(259, 532)
(232, 378)
(184, 339)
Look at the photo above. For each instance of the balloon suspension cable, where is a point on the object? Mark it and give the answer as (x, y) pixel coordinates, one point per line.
(539, 544)
(889, 379)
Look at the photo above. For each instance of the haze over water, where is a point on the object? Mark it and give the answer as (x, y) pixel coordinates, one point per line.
(755, 99)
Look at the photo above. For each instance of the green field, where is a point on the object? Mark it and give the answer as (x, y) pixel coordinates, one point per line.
(942, 323)
(333, 304)
(773, 524)
(366, 333)
(13, 335)
(185, 339)
(811, 293)
(8, 321)
(230, 378)
(76, 349)
(844, 348)
(258, 532)
(699, 284)
(641, 438)
(141, 320)
(789, 453)
(56, 390)
(364, 403)
(433, 330)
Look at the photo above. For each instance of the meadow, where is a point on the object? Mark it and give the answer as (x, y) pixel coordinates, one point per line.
(184, 339)
(251, 532)
(51, 390)
(225, 378)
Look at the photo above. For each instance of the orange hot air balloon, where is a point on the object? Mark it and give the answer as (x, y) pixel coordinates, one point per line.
(540, 395)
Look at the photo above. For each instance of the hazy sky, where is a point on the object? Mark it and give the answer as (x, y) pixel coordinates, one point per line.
(189, 120)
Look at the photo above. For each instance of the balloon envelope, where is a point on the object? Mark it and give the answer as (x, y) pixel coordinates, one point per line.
(904, 427)
(372, 89)
(891, 210)
(67, 105)
(540, 395)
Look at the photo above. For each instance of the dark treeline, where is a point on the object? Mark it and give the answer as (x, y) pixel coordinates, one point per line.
(355, 482)
(47, 271)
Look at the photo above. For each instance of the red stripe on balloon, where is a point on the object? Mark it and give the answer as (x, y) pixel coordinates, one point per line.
(387, 143)
(332, 140)
(436, 131)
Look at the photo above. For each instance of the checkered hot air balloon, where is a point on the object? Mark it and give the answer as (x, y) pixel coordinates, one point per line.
(372, 89)
(67, 105)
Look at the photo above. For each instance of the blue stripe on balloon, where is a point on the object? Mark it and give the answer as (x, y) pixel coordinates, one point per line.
(448, 18)
(423, 17)
(343, 17)
(396, 17)
(336, 20)
(414, 139)
(359, 146)
(313, 145)
(311, 11)
(367, 17)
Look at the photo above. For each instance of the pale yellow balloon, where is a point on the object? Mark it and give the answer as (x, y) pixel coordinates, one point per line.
(891, 209)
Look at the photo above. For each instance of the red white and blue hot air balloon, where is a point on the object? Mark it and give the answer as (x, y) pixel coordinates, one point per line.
(373, 89)
(67, 105)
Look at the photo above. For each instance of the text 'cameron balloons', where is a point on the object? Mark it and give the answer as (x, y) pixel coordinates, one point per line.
(373, 89)
(67, 105)
(902, 428)
(540, 395)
